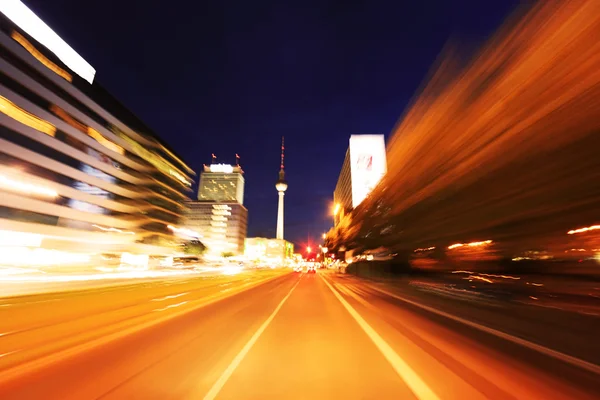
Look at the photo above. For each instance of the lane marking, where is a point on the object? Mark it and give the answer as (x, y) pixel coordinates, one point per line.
(514, 339)
(173, 296)
(404, 371)
(171, 306)
(218, 385)
(9, 353)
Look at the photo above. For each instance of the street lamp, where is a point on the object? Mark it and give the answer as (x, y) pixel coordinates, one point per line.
(324, 236)
(336, 208)
(308, 249)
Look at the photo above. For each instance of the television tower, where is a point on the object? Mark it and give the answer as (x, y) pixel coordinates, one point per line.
(281, 187)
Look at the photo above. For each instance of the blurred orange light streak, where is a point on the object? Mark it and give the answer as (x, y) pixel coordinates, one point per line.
(586, 229)
(472, 244)
(40, 57)
(17, 113)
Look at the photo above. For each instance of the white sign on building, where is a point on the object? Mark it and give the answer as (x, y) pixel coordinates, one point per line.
(368, 164)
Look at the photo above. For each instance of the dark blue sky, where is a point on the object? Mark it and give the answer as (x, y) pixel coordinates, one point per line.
(233, 76)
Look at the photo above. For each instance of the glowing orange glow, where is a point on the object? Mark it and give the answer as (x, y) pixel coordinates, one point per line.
(105, 142)
(67, 118)
(17, 113)
(336, 209)
(472, 244)
(308, 249)
(480, 278)
(425, 249)
(581, 230)
(40, 57)
(27, 188)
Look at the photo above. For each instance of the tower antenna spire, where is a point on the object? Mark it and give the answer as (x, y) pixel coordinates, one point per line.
(282, 152)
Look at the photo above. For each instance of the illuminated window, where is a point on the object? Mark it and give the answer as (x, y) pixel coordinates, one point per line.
(17, 113)
(40, 57)
(105, 142)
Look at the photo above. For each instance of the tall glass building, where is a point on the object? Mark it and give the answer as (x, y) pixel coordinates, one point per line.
(78, 171)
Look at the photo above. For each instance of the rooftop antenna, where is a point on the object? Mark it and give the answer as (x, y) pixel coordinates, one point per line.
(214, 158)
(282, 149)
(237, 159)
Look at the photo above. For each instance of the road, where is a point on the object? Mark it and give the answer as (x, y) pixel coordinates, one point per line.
(270, 335)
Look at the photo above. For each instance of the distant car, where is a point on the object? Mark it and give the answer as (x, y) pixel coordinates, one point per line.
(311, 270)
(297, 269)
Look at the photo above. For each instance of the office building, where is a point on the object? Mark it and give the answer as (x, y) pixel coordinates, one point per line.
(364, 165)
(222, 183)
(222, 226)
(268, 250)
(219, 215)
(79, 173)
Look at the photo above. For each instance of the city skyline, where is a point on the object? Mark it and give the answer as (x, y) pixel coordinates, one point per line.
(314, 93)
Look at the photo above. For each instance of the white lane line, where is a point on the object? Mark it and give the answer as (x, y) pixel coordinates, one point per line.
(406, 373)
(218, 385)
(9, 353)
(173, 296)
(530, 345)
(171, 306)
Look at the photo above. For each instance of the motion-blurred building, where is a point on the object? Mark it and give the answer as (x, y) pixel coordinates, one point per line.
(222, 225)
(268, 250)
(219, 215)
(364, 166)
(78, 170)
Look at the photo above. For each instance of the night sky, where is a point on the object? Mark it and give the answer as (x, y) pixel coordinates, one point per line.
(229, 77)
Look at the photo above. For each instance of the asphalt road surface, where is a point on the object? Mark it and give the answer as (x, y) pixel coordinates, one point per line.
(272, 335)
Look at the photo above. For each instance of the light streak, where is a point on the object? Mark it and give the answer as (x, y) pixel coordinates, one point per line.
(20, 239)
(113, 230)
(28, 188)
(581, 230)
(425, 249)
(25, 19)
(40, 57)
(18, 114)
(184, 231)
(472, 244)
(105, 142)
(40, 257)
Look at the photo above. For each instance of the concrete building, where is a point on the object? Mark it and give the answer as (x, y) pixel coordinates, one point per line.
(222, 226)
(79, 173)
(219, 215)
(364, 165)
(268, 250)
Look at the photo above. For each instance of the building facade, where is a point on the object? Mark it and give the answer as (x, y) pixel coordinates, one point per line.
(268, 250)
(219, 215)
(222, 226)
(222, 183)
(364, 165)
(78, 171)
